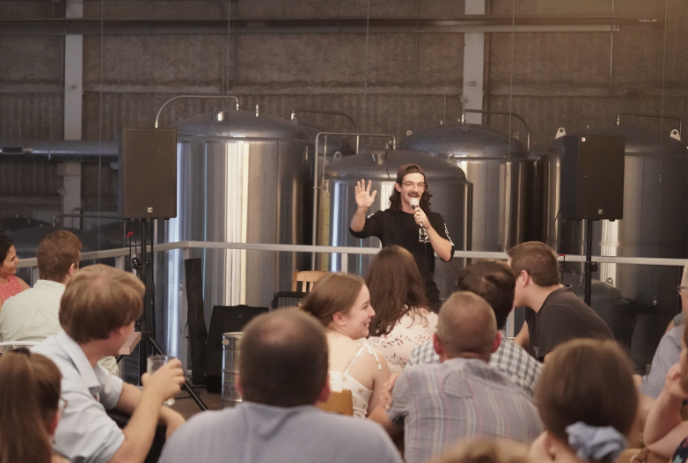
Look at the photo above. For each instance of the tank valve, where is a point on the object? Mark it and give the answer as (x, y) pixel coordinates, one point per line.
(219, 116)
(257, 110)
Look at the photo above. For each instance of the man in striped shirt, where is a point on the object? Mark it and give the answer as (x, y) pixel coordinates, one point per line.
(436, 406)
(494, 282)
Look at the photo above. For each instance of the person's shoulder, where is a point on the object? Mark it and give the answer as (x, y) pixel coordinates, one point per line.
(201, 424)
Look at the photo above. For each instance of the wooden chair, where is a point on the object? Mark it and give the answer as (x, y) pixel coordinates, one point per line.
(13, 344)
(307, 278)
(341, 402)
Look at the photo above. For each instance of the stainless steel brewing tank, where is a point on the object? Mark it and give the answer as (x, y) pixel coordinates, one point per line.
(655, 216)
(245, 178)
(503, 178)
(451, 198)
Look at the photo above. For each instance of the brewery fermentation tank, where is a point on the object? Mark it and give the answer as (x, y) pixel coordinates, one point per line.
(654, 224)
(243, 177)
(451, 198)
(503, 178)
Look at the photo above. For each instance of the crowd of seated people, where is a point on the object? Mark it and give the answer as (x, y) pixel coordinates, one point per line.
(468, 394)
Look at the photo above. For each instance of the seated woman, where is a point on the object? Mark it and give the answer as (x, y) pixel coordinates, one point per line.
(402, 321)
(341, 303)
(9, 283)
(665, 432)
(29, 402)
(587, 401)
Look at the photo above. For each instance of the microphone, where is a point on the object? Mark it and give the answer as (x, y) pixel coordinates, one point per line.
(422, 233)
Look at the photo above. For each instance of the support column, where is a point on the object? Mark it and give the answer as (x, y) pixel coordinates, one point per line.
(473, 65)
(73, 104)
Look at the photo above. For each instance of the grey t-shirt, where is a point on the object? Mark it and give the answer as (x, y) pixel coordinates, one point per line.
(255, 433)
(667, 353)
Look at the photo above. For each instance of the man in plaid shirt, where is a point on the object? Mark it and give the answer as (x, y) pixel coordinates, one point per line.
(494, 282)
(436, 406)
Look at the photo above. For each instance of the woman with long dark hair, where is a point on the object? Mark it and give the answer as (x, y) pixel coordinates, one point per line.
(9, 283)
(29, 407)
(341, 303)
(402, 320)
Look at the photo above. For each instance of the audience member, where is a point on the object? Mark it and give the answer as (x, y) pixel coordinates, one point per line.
(486, 451)
(668, 350)
(29, 402)
(665, 431)
(282, 374)
(463, 397)
(494, 282)
(97, 314)
(341, 303)
(33, 314)
(397, 293)
(587, 402)
(10, 284)
(554, 314)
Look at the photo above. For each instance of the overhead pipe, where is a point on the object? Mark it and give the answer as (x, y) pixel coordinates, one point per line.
(462, 24)
(77, 150)
(656, 116)
(334, 113)
(505, 113)
(207, 97)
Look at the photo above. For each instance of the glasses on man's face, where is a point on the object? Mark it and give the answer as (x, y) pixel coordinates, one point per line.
(420, 185)
(681, 288)
(61, 405)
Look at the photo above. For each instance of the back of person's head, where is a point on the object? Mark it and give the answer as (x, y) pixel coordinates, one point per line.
(99, 299)
(493, 281)
(335, 292)
(283, 359)
(395, 287)
(466, 324)
(538, 260)
(5, 244)
(588, 381)
(56, 254)
(485, 451)
(29, 397)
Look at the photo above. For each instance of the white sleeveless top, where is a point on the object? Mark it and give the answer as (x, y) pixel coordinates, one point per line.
(360, 393)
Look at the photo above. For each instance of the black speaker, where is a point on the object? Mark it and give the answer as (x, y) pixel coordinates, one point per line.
(592, 177)
(198, 336)
(148, 173)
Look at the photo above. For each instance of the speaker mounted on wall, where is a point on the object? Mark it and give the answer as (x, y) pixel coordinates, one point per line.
(592, 177)
(148, 173)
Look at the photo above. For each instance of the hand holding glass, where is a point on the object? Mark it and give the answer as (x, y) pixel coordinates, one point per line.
(154, 363)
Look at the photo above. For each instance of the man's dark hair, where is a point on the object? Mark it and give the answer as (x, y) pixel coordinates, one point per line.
(56, 254)
(538, 260)
(395, 198)
(494, 282)
(283, 359)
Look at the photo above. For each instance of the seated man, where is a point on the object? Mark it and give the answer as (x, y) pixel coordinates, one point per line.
(282, 374)
(32, 315)
(463, 397)
(494, 282)
(554, 314)
(97, 314)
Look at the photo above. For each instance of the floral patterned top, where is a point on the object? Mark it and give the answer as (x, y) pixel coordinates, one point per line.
(412, 330)
(681, 454)
(11, 288)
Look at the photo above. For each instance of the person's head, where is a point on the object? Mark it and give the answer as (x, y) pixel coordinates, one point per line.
(535, 263)
(683, 360)
(341, 302)
(569, 393)
(485, 451)
(410, 183)
(395, 287)
(58, 256)
(493, 281)
(683, 289)
(466, 327)
(283, 360)
(8, 257)
(29, 402)
(99, 299)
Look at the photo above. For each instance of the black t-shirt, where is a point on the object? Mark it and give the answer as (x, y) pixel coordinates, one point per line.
(400, 228)
(563, 316)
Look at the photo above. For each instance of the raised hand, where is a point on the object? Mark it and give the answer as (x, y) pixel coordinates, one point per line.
(364, 199)
(673, 385)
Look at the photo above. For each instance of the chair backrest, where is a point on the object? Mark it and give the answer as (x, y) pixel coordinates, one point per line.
(341, 402)
(5, 344)
(307, 278)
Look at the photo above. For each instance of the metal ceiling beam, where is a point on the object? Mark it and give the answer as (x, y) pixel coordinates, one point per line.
(59, 27)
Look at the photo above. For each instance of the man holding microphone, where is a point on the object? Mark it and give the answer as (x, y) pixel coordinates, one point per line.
(408, 222)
